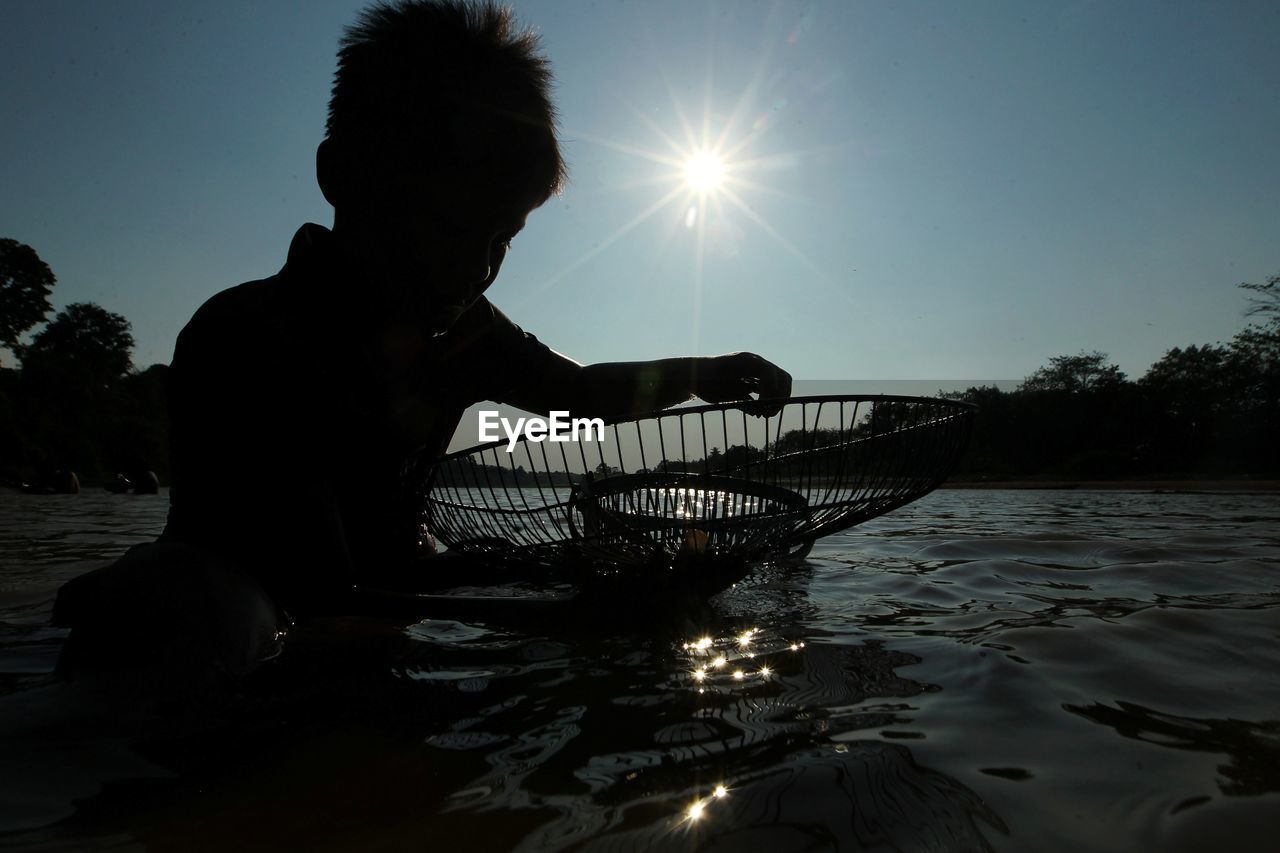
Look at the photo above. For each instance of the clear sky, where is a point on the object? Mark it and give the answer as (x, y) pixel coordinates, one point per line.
(911, 190)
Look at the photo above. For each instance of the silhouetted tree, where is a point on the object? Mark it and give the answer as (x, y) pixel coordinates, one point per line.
(1267, 304)
(738, 456)
(1087, 371)
(1187, 406)
(84, 343)
(135, 434)
(999, 443)
(13, 445)
(1190, 379)
(1258, 347)
(25, 285)
(715, 460)
(1254, 362)
(71, 399)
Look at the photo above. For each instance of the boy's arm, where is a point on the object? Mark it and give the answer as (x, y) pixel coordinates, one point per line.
(634, 387)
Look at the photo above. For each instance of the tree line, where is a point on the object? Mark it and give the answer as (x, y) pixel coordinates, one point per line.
(1206, 411)
(76, 402)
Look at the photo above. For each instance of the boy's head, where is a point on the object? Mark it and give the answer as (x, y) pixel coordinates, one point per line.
(424, 84)
(440, 139)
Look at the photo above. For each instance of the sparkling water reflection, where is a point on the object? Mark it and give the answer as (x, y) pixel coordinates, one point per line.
(978, 671)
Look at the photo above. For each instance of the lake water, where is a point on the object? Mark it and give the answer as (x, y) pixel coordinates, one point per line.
(981, 670)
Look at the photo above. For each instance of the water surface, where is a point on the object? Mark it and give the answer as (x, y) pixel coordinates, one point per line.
(982, 670)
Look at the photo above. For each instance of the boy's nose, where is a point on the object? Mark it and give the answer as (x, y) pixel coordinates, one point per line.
(474, 266)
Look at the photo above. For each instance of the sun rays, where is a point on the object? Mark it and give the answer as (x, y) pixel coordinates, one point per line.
(707, 166)
(705, 171)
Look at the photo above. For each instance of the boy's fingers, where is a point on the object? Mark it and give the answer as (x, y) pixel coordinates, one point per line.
(735, 377)
(770, 382)
(777, 383)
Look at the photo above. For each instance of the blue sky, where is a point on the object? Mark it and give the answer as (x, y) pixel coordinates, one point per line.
(917, 190)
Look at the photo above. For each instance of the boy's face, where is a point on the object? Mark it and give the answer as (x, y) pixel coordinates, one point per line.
(435, 240)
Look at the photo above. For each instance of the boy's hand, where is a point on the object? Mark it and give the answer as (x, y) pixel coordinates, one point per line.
(736, 376)
(623, 388)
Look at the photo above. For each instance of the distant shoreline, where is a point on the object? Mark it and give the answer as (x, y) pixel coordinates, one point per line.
(1188, 486)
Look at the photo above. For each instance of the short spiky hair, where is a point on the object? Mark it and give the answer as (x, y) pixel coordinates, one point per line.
(409, 71)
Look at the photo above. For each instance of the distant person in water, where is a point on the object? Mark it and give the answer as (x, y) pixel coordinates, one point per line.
(51, 480)
(296, 401)
(140, 482)
(145, 482)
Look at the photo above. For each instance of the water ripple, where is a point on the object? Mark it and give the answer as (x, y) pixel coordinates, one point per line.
(977, 671)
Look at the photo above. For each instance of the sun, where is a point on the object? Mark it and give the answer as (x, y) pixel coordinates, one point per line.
(704, 164)
(704, 172)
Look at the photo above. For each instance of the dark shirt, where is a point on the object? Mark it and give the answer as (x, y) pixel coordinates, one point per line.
(294, 408)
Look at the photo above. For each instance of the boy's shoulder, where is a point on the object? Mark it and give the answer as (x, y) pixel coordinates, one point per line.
(240, 301)
(267, 301)
(233, 313)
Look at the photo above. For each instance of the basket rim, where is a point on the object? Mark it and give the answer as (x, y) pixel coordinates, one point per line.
(614, 485)
(959, 405)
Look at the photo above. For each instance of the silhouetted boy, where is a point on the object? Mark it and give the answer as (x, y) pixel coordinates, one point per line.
(296, 400)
